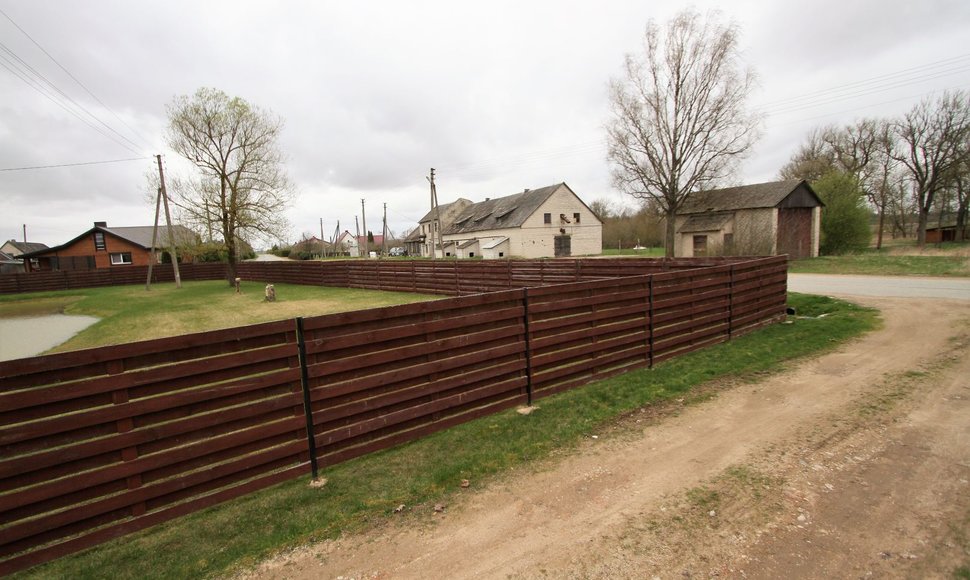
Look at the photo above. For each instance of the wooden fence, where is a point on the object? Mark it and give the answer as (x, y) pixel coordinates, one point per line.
(449, 277)
(99, 443)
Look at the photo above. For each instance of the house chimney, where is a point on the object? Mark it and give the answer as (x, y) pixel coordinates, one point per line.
(100, 224)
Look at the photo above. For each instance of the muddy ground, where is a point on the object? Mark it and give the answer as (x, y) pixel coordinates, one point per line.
(855, 464)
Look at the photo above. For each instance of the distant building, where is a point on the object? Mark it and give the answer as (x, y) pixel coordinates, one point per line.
(104, 247)
(10, 252)
(349, 244)
(422, 241)
(548, 222)
(780, 217)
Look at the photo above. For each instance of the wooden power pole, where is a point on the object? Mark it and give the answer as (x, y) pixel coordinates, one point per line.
(363, 221)
(172, 251)
(436, 220)
(151, 261)
(384, 233)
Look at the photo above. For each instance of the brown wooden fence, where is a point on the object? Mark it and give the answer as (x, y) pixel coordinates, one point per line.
(99, 443)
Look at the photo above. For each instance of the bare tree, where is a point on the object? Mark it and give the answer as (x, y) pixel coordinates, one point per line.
(813, 159)
(679, 119)
(932, 140)
(961, 184)
(241, 183)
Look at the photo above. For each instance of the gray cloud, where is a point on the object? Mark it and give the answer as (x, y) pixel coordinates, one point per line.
(498, 96)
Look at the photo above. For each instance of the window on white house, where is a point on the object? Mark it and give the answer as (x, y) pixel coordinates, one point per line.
(575, 218)
(120, 258)
(547, 218)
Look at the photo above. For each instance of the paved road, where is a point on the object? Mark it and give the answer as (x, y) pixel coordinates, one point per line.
(883, 286)
(269, 258)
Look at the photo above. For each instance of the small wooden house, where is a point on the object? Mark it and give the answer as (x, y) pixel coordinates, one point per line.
(779, 217)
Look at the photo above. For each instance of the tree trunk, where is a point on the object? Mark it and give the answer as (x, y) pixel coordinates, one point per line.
(961, 220)
(669, 235)
(924, 215)
(882, 221)
(231, 261)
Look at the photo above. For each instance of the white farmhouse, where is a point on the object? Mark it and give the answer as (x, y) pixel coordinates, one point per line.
(539, 223)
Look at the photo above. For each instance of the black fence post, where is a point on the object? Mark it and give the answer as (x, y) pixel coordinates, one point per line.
(528, 347)
(307, 411)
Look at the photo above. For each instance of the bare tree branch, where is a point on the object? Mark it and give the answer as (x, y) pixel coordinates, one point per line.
(679, 121)
(241, 183)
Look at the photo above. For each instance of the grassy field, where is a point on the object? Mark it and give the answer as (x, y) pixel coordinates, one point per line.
(885, 264)
(657, 252)
(365, 491)
(130, 313)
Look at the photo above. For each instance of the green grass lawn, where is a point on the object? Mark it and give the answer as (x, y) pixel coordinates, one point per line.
(884, 264)
(366, 490)
(657, 252)
(130, 313)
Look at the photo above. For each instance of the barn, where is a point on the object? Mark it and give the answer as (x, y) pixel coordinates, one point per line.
(778, 217)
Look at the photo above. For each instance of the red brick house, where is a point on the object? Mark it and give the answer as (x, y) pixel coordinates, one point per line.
(104, 247)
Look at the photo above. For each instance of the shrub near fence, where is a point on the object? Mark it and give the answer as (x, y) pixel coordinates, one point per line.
(99, 443)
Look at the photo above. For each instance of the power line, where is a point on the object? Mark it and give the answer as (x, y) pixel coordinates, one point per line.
(74, 164)
(36, 73)
(871, 80)
(18, 71)
(842, 95)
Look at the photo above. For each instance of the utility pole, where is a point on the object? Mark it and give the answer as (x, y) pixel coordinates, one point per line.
(363, 219)
(384, 233)
(323, 252)
(27, 261)
(168, 220)
(357, 239)
(333, 240)
(151, 261)
(436, 220)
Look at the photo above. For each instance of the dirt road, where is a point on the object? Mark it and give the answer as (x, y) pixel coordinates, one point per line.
(853, 464)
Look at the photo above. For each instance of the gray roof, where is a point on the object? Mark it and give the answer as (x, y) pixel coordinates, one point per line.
(705, 222)
(502, 212)
(494, 243)
(442, 209)
(139, 235)
(142, 235)
(8, 259)
(754, 196)
(25, 247)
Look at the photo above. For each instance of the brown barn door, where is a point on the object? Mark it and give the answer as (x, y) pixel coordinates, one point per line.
(562, 246)
(795, 232)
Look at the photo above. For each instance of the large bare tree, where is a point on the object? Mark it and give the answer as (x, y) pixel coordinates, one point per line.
(241, 184)
(931, 146)
(679, 118)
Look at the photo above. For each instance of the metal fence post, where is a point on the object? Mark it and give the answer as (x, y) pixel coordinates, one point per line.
(307, 411)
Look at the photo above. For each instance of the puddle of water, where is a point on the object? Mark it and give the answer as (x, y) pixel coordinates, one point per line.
(23, 337)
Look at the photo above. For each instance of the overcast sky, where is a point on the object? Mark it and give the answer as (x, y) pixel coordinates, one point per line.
(497, 96)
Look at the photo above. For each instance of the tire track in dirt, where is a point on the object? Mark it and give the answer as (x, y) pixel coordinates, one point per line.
(568, 519)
